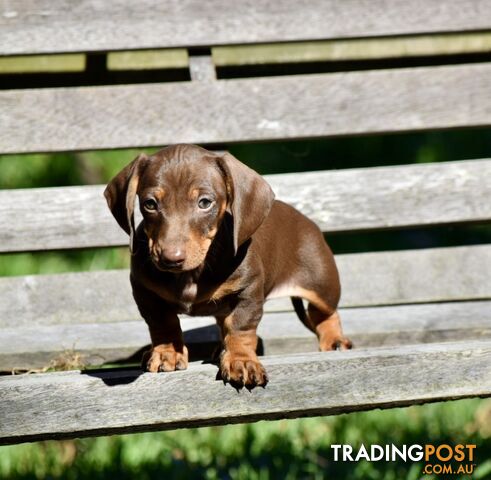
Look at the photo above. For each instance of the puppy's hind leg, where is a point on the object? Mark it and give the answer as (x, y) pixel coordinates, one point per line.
(327, 327)
(323, 321)
(316, 279)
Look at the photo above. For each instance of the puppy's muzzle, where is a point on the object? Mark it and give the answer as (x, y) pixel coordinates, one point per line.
(170, 258)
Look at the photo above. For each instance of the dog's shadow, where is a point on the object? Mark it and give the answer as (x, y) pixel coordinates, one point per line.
(203, 345)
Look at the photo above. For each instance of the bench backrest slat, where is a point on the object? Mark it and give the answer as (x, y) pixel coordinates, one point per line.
(368, 279)
(47, 26)
(287, 107)
(344, 200)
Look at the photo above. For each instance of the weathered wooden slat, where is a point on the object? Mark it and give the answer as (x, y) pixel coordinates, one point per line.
(37, 346)
(368, 279)
(416, 276)
(289, 107)
(47, 26)
(67, 405)
(202, 68)
(356, 199)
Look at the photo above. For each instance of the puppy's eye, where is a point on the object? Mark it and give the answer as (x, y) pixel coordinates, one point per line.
(205, 203)
(150, 205)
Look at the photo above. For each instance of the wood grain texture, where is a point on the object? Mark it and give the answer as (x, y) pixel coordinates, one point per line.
(36, 346)
(368, 279)
(65, 405)
(202, 68)
(47, 26)
(269, 108)
(356, 199)
(415, 276)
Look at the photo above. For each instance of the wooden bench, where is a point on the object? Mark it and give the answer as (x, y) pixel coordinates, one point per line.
(420, 319)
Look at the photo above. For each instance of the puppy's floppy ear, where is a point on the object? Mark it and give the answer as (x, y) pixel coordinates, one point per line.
(120, 195)
(250, 197)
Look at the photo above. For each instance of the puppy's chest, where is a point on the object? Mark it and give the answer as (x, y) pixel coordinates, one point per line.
(194, 298)
(183, 294)
(187, 292)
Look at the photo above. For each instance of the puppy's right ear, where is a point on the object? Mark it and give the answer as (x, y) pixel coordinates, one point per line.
(120, 195)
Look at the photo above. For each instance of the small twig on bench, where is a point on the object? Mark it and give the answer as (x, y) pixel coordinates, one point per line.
(67, 360)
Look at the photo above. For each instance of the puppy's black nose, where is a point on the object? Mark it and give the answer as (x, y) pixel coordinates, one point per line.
(173, 256)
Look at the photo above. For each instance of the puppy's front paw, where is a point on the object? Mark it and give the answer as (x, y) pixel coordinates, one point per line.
(165, 359)
(242, 370)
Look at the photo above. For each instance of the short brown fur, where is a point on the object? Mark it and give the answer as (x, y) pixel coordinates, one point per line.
(217, 243)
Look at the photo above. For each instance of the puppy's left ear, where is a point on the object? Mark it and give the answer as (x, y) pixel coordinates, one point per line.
(120, 195)
(250, 197)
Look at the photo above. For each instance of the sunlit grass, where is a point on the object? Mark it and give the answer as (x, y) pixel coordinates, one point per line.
(63, 261)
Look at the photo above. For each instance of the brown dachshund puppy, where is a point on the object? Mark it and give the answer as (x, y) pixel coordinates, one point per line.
(213, 241)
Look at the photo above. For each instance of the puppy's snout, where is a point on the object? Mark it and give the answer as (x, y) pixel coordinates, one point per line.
(173, 256)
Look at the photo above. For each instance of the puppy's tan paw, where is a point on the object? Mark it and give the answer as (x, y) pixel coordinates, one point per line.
(242, 370)
(165, 359)
(336, 343)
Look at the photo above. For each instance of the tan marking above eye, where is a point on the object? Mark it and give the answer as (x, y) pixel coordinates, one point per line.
(193, 193)
(159, 193)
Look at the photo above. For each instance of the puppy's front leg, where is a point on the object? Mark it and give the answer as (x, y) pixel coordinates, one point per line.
(239, 363)
(168, 352)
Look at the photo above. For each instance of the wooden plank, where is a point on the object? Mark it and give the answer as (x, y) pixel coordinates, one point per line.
(415, 276)
(36, 346)
(353, 49)
(357, 199)
(269, 108)
(47, 26)
(70, 404)
(202, 68)
(368, 279)
(388, 197)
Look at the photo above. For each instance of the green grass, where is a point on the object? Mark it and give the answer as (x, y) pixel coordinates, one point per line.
(286, 449)
(64, 261)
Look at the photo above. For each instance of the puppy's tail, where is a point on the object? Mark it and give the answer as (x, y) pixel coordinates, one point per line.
(299, 308)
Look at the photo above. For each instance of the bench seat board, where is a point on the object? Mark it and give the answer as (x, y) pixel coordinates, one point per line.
(238, 110)
(47, 26)
(71, 404)
(35, 346)
(337, 200)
